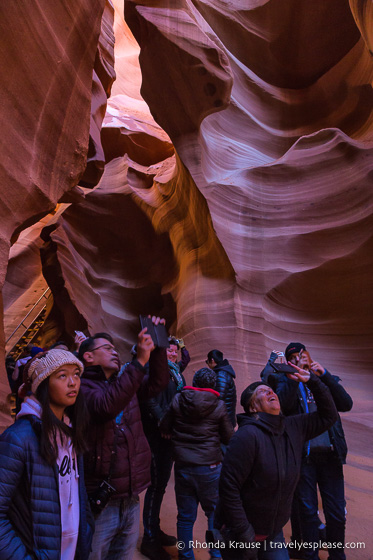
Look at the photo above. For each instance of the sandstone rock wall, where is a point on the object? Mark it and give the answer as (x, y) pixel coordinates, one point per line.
(234, 163)
(260, 226)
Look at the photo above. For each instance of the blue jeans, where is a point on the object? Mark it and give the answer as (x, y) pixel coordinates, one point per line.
(195, 484)
(326, 472)
(160, 469)
(271, 549)
(116, 530)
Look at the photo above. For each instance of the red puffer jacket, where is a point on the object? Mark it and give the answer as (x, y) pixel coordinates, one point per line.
(113, 406)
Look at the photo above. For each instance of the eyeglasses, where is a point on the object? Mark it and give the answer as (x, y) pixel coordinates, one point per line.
(107, 347)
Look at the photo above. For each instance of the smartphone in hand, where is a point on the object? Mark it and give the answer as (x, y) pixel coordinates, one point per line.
(157, 332)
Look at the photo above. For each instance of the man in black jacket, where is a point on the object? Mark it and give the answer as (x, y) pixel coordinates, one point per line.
(225, 384)
(199, 423)
(323, 457)
(261, 469)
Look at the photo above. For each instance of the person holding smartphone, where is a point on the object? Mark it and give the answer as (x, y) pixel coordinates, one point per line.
(261, 469)
(161, 464)
(117, 464)
(323, 457)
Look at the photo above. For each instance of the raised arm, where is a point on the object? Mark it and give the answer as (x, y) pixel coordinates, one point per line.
(157, 379)
(105, 400)
(287, 392)
(267, 374)
(185, 357)
(315, 423)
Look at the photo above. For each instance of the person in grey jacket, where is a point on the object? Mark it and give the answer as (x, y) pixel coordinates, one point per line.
(198, 423)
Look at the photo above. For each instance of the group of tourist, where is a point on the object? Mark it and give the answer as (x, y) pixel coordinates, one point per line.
(91, 434)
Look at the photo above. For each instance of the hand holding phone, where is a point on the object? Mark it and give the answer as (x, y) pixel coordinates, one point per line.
(156, 328)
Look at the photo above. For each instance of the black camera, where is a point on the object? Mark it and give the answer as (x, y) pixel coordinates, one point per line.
(99, 498)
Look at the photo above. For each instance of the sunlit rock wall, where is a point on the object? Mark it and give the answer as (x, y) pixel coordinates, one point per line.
(237, 159)
(258, 229)
(285, 167)
(261, 224)
(56, 69)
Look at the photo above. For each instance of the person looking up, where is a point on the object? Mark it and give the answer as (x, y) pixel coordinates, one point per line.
(161, 464)
(323, 457)
(43, 502)
(117, 465)
(261, 469)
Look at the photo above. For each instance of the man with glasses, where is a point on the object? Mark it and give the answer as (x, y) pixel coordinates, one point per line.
(117, 465)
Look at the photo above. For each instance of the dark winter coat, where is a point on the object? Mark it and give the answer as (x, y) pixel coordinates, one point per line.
(292, 402)
(114, 409)
(199, 423)
(30, 518)
(225, 385)
(262, 465)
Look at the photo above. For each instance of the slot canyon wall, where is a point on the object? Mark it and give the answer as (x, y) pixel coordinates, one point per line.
(212, 162)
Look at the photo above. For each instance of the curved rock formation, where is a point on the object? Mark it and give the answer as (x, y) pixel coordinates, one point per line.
(46, 64)
(237, 193)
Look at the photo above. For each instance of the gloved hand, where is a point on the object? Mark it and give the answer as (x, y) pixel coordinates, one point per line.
(181, 343)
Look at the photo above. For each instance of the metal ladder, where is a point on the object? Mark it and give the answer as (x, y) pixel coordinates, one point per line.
(28, 327)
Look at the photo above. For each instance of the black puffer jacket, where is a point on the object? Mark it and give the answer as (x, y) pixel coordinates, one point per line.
(292, 402)
(199, 423)
(262, 465)
(225, 385)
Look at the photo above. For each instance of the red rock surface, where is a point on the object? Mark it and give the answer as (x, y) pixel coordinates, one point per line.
(237, 193)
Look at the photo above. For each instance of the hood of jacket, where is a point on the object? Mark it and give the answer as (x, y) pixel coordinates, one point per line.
(225, 366)
(30, 405)
(270, 423)
(197, 402)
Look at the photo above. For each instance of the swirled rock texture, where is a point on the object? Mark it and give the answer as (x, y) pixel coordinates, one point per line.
(258, 229)
(283, 158)
(50, 112)
(237, 193)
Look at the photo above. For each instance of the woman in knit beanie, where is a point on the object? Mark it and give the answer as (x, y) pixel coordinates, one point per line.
(43, 503)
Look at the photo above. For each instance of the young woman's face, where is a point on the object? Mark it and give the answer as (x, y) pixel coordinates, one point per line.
(64, 385)
(172, 353)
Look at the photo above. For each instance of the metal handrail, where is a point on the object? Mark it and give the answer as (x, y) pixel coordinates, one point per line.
(29, 313)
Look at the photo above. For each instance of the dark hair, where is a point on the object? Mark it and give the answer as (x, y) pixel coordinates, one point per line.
(215, 355)
(173, 341)
(52, 427)
(58, 343)
(204, 378)
(89, 343)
